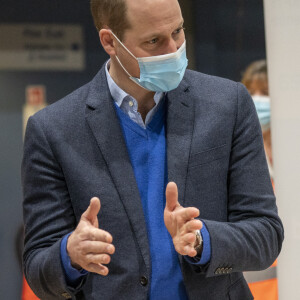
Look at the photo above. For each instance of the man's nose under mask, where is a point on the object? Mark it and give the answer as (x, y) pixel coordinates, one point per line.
(160, 73)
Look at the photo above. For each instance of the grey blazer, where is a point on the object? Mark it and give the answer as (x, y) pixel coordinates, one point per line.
(74, 150)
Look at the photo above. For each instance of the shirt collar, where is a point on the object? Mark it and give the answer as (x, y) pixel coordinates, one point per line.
(119, 95)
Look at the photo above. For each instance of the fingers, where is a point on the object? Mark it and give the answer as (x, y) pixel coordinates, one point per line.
(88, 246)
(88, 254)
(171, 196)
(97, 268)
(98, 259)
(97, 248)
(183, 215)
(96, 234)
(185, 245)
(185, 238)
(189, 213)
(190, 251)
(193, 225)
(189, 238)
(92, 211)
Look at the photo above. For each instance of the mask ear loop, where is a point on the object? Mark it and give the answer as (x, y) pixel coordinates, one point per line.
(123, 66)
(130, 77)
(123, 45)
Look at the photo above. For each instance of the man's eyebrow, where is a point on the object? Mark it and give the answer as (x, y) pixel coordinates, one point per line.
(153, 35)
(181, 23)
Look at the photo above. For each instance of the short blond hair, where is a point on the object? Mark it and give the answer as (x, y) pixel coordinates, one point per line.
(257, 68)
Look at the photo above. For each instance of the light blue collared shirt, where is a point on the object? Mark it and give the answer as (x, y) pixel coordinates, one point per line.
(128, 104)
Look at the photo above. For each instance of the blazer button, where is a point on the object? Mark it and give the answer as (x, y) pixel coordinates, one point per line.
(143, 281)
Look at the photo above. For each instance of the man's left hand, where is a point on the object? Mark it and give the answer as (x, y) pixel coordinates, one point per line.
(180, 222)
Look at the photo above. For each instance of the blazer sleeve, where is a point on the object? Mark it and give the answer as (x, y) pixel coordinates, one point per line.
(251, 239)
(48, 216)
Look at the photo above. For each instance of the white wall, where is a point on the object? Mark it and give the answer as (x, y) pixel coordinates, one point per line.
(282, 20)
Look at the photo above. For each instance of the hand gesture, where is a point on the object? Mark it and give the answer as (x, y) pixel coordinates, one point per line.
(88, 246)
(181, 222)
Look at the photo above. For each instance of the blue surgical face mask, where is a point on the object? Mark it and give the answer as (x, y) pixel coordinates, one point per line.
(160, 73)
(263, 108)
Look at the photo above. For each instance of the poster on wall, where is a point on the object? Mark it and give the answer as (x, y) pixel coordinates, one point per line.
(42, 47)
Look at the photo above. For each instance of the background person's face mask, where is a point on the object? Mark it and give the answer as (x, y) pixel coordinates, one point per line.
(160, 73)
(263, 108)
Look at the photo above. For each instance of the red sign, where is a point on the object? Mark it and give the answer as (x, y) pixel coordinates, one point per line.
(35, 95)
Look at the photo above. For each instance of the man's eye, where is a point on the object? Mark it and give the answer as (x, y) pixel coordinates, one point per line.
(178, 30)
(153, 41)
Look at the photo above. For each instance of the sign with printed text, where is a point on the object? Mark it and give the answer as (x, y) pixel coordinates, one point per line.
(42, 47)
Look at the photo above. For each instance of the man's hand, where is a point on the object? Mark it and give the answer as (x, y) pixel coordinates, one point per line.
(180, 222)
(88, 246)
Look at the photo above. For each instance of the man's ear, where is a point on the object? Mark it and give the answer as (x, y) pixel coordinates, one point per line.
(107, 41)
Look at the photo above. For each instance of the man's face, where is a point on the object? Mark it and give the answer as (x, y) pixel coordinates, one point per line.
(156, 29)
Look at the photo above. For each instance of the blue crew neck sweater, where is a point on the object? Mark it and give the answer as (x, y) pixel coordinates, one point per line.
(147, 152)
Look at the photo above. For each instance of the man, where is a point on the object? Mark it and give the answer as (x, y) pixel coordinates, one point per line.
(101, 221)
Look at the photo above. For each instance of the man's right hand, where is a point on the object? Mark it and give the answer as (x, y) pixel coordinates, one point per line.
(88, 246)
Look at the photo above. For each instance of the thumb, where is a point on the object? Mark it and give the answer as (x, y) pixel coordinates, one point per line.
(92, 211)
(171, 196)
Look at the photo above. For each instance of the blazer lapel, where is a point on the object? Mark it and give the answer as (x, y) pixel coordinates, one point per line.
(180, 122)
(104, 123)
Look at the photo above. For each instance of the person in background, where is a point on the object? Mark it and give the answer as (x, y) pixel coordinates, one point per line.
(263, 284)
